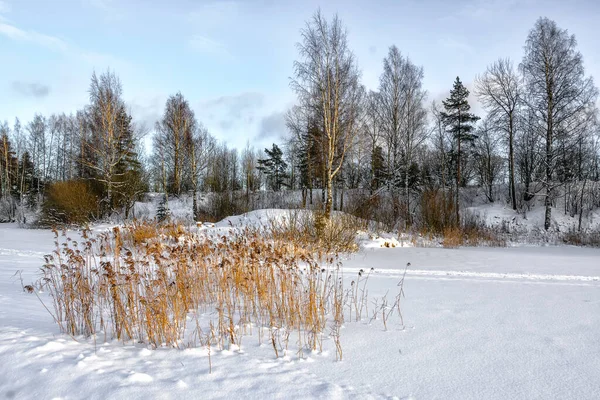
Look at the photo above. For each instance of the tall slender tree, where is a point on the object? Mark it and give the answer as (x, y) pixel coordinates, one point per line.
(327, 80)
(109, 139)
(403, 120)
(558, 92)
(173, 138)
(460, 123)
(499, 90)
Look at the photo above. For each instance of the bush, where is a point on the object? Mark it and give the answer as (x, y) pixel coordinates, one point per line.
(438, 211)
(473, 231)
(582, 238)
(312, 231)
(69, 202)
(140, 232)
(8, 207)
(222, 205)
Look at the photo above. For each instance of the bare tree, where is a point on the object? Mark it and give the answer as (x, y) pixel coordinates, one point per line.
(391, 108)
(310, 144)
(327, 80)
(37, 148)
(560, 92)
(251, 175)
(372, 131)
(415, 126)
(528, 153)
(440, 142)
(6, 162)
(173, 137)
(200, 146)
(499, 90)
(488, 162)
(109, 128)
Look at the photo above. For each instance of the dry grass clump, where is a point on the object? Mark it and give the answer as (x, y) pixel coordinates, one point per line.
(312, 231)
(438, 212)
(140, 232)
(153, 283)
(472, 232)
(438, 218)
(453, 237)
(582, 238)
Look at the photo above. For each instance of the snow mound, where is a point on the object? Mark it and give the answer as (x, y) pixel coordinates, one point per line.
(258, 218)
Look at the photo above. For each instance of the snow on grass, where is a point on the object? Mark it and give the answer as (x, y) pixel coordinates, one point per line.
(479, 323)
(496, 214)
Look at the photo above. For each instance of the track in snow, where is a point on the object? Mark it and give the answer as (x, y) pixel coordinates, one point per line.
(471, 275)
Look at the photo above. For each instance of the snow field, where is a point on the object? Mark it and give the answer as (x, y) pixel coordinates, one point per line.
(493, 323)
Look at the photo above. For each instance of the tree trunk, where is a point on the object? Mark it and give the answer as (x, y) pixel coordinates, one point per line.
(407, 194)
(195, 203)
(458, 183)
(581, 204)
(329, 199)
(511, 164)
(335, 197)
(547, 183)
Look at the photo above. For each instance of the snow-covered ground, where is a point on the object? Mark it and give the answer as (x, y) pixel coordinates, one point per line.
(479, 323)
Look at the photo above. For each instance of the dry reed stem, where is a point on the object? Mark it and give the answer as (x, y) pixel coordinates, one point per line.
(142, 281)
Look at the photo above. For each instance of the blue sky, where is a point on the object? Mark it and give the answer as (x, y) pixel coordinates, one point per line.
(232, 59)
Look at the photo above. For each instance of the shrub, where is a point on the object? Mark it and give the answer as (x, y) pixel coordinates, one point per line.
(140, 232)
(473, 231)
(311, 230)
(69, 202)
(8, 208)
(222, 205)
(438, 211)
(453, 237)
(582, 238)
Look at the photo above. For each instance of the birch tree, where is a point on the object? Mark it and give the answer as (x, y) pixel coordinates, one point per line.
(500, 92)
(109, 128)
(174, 136)
(560, 93)
(327, 79)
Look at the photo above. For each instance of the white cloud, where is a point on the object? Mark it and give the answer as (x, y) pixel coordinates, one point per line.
(14, 33)
(109, 8)
(484, 10)
(4, 7)
(454, 44)
(213, 15)
(204, 44)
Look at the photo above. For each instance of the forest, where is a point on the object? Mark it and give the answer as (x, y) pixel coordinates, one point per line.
(388, 154)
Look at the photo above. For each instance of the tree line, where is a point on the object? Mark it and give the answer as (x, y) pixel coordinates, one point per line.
(388, 154)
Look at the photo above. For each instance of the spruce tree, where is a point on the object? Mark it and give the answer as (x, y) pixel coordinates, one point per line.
(162, 211)
(274, 167)
(460, 123)
(128, 177)
(27, 180)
